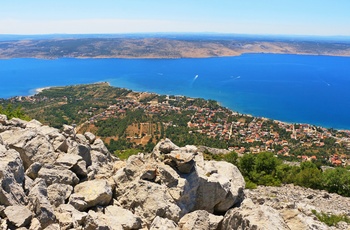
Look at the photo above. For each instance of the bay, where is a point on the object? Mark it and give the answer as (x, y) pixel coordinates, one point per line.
(290, 88)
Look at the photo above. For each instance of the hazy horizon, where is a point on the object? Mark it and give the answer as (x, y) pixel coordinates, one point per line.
(255, 17)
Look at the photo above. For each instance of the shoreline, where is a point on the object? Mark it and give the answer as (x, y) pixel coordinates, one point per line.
(41, 89)
(177, 57)
(36, 91)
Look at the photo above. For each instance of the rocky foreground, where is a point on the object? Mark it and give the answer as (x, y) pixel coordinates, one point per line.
(62, 180)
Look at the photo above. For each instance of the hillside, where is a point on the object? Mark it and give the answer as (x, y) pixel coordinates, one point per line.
(164, 47)
(124, 119)
(62, 180)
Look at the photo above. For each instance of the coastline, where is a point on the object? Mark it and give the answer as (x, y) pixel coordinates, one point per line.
(39, 90)
(35, 91)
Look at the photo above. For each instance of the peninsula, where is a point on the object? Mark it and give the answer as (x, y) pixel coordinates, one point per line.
(164, 46)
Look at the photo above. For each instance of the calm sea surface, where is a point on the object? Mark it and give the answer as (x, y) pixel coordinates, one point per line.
(291, 88)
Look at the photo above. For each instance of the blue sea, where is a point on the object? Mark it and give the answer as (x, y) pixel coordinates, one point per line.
(290, 88)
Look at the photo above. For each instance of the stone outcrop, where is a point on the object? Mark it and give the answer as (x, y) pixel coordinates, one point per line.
(91, 193)
(19, 216)
(52, 179)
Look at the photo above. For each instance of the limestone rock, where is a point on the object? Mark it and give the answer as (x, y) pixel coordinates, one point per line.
(35, 224)
(40, 204)
(148, 200)
(119, 216)
(83, 151)
(181, 160)
(221, 186)
(11, 178)
(59, 193)
(80, 138)
(17, 122)
(69, 217)
(57, 174)
(20, 216)
(28, 184)
(200, 220)
(99, 146)
(90, 137)
(164, 147)
(33, 170)
(69, 130)
(17, 140)
(91, 193)
(34, 124)
(3, 119)
(163, 224)
(73, 162)
(250, 216)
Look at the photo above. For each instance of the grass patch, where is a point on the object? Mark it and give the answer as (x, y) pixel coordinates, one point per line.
(125, 154)
(330, 219)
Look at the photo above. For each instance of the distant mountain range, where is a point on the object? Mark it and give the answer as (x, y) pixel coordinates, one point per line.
(166, 45)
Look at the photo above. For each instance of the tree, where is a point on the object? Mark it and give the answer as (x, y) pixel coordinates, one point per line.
(266, 162)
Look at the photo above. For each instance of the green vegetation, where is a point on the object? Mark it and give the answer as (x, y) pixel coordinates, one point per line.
(12, 112)
(128, 120)
(265, 169)
(125, 154)
(117, 126)
(330, 219)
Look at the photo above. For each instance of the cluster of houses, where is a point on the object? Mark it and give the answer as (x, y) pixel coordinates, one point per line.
(250, 133)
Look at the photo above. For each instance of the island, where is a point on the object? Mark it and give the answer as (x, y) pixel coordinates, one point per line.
(165, 46)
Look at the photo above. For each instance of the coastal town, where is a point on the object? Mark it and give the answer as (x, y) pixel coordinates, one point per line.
(242, 133)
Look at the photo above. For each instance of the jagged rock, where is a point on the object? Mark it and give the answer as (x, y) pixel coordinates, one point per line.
(220, 187)
(39, 149)
(59, 193)
(3, 119)
(60, 143)
(69, 130)
(164, 147)
(101, 167)
(39, 203)
(57, 174)
(83, 151)
(34, 124)
(53, 227)
(32, 146)
(33, 170)
(148, 200)
(35, 224)
(17, 140)
(181, 160)
(18, 215)
(17, 122)
(125, 218)
(100, 147)
(295, 207)
(100, 220)
(200, 220)
(73, 162)
(80, 138)
(163, 224)
(90, 137)
(11, 178)
(149, 172)
(91, 193)
(251, 216)
(69, 217)
(28, 184)
(48, 131)
(183, 189)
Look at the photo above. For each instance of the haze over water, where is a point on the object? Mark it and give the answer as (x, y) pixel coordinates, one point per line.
(291, 88)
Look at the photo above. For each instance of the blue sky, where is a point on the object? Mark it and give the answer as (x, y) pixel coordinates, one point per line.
(300, 17)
